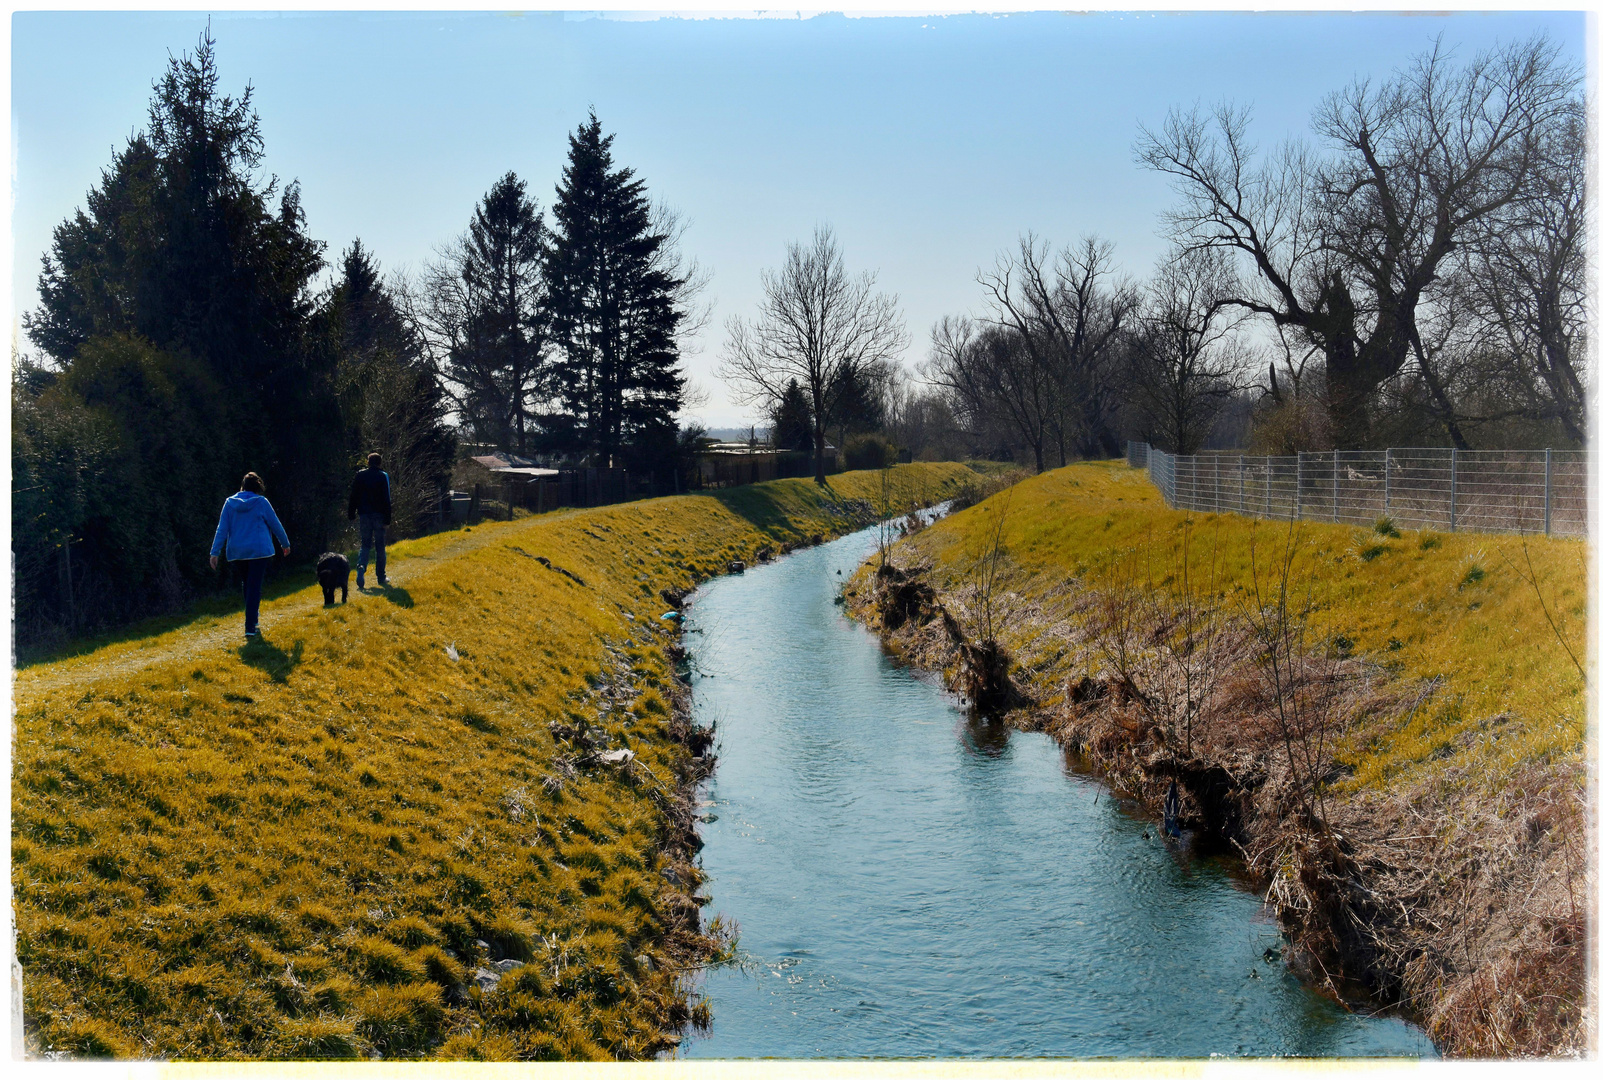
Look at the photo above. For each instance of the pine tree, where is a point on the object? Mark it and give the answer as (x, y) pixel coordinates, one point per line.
(390, 395)
(792, 419)
(614, 311)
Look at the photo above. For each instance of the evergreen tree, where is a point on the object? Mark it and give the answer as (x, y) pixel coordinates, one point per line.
(176, 306)
(858, 399)
(792, 419)
(615, 309)
(390, 395)
(501, 369)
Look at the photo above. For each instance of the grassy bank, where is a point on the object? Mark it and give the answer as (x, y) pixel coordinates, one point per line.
(1407, 782)
(399, 827)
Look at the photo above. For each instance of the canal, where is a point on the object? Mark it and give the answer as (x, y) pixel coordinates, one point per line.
(909, 883)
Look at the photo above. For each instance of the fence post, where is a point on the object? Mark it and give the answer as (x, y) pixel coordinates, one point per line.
(1452, 492)
(1386, 470)
(1335, 487)
(1268, 484)
(1547, 492)
(1297, 513)
(1241, 480)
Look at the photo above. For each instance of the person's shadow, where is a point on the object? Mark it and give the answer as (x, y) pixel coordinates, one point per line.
(396, 595)
(258, 652)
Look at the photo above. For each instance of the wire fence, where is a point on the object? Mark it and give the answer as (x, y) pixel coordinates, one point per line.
(1524, 491)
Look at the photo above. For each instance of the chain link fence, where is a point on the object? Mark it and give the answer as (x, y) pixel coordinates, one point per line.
(1525, 491)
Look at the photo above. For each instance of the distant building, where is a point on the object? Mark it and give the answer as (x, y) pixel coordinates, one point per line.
(730, 463)
(511, 465)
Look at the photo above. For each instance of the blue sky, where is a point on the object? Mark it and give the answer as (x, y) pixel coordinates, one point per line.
(929, 143)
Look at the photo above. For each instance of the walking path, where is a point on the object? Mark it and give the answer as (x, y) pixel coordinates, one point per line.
(210, 633)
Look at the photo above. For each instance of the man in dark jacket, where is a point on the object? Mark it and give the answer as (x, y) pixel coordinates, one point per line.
(370, 501)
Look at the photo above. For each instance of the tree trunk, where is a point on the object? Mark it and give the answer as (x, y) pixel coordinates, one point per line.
(818, 453)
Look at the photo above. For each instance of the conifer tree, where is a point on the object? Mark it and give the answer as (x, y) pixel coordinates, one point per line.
(176, 307)
(614, 309)
(390, 394)
(483, 310)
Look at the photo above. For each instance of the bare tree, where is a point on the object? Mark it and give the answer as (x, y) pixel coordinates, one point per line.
(988, 370)
(1347, 246)
(1186, 356)
(817, 325)
(1526, 276)
(1066, 314)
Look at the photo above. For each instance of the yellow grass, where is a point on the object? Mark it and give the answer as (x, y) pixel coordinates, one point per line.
(1424, 605)
(289, 849)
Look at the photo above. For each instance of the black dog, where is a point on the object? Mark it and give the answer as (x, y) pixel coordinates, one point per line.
(333, 572)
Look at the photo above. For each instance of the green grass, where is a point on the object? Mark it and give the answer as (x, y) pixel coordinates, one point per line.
(1459, 607)
(289, 849)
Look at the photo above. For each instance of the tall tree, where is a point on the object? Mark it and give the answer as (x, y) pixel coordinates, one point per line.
(1065, 315)
(615, 304)
(1185, 356)
(1348, 245)
(187, 272)
(815, 325)
(995, 381)
(390, 394)
(484, 312)
(790, 420)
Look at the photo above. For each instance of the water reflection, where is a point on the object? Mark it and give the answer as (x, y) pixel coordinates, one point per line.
(986, 737)
(911, 881)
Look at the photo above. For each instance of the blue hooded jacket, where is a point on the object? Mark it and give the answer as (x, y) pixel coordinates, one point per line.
(248, 528)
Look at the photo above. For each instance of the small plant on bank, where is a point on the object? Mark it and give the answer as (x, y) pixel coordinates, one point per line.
(1385, 526)
(1303, 678)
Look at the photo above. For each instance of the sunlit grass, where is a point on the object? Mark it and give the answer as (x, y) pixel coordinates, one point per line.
(291, 849)
(1458, 607)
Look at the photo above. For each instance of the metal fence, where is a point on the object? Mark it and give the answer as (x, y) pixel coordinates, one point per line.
(1525, 491)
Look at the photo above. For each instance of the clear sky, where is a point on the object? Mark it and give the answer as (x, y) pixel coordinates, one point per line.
(929, 143)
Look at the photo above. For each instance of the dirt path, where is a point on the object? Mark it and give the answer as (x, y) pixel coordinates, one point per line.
(210, 635)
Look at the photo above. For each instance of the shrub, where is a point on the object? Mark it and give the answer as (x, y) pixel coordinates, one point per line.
(512, 936)
(478, 1046)
(411, 932)
(869, 452)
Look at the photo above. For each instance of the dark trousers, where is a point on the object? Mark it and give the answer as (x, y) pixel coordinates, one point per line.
(253, 571)
(372, 538)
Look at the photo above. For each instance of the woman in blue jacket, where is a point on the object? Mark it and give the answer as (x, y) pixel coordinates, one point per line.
(246, 531)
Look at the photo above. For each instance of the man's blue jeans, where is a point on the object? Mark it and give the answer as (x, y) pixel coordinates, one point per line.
(253, 571)
(372, 526)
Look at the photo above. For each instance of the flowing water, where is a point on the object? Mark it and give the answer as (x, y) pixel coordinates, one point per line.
(909, 883)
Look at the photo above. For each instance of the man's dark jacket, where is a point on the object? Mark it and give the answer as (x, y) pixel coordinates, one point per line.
(370, 494)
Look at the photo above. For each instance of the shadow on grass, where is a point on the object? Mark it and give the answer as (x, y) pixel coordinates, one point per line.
(761, 505)
(216, 604)
(396, 595)
(263, 654)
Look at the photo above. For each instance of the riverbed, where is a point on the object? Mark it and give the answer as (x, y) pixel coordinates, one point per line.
(911, 883)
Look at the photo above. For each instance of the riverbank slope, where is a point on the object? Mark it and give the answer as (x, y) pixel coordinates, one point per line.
(447, 819)
(1391, 732)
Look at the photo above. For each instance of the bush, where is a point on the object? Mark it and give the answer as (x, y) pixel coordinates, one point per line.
(869, 452)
